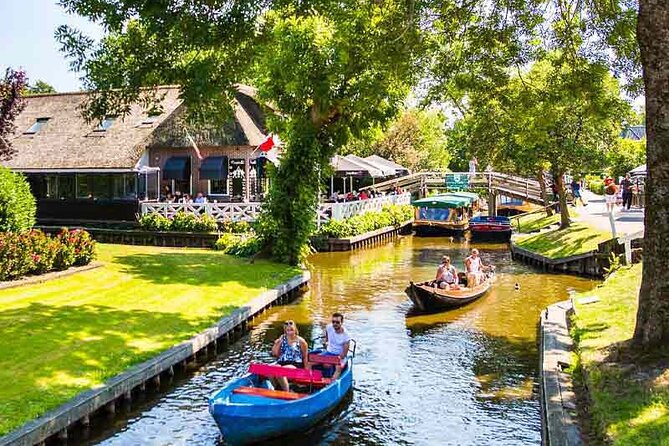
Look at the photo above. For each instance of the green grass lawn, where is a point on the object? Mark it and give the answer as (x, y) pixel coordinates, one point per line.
(629, 390)
(534, 222)
(559, 243)
(68, 335)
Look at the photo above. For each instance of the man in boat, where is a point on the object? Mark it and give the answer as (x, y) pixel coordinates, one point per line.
(337, 340)
(447, 275)
(474, 269)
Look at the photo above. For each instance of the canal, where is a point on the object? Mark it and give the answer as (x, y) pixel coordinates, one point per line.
(464, 377)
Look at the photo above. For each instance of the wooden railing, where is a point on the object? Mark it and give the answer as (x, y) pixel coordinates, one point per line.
(250, 211)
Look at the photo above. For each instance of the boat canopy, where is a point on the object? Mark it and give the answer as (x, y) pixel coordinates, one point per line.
(469, 195)
(442, 202)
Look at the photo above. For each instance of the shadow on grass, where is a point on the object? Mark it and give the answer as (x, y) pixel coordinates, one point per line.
(629, 393)
(200, 269)
(561, 243)
(51, 353)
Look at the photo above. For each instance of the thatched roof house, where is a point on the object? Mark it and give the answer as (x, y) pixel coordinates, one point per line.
(115, 163)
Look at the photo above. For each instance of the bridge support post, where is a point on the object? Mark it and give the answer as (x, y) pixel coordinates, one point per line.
(492, 203)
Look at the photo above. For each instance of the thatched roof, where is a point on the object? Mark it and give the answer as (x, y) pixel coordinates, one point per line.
(67, 141)
(246, 129)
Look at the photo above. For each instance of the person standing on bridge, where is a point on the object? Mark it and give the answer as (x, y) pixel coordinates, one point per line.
(473, 164)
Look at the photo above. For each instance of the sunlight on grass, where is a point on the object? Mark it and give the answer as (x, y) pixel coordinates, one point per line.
(630, 405)
(68, 335)
(559, 243)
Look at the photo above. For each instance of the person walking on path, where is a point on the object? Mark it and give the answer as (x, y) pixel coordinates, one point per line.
(473, 164)
(576, 191)
(626, 185)
(611, 194)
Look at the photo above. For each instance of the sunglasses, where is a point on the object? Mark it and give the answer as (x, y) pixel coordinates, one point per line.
(288, 324)
(336, 322)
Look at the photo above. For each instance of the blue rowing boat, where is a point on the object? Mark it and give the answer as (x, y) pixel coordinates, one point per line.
(248, 410)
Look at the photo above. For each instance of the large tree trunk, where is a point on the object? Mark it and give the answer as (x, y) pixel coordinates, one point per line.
(544, 192)
(652, 324)
(562, 197)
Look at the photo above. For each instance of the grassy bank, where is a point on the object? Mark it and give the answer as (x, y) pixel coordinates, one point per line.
(534, 222)
(559, 243)
(629, 391)
(68, 335)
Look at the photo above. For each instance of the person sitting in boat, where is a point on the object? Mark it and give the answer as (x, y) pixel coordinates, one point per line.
(337, 341)
(447, 275)
(291, 351)
(474, 269)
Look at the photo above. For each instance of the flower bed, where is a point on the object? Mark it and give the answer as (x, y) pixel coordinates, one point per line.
(35, 252)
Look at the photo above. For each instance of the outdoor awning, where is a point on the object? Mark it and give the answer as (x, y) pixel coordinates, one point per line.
(471, 196)
(383, 171)
(177, 168)
(344, 167)
(638, 171)
(214, 168)
(380, 161)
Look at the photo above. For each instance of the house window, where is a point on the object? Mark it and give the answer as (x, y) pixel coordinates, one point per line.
(37, 126)
(218, 187)
(105, 124)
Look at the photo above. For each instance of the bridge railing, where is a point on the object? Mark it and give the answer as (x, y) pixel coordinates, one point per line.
(250, 211)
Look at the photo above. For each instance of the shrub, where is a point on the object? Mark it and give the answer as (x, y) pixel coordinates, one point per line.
(17, 204)
(83, 244)
(239, 245)
(393, 215)
(206, 223)
(154, 222)
(184, 221)
(43, 250)
(15, 256)
(34, 252)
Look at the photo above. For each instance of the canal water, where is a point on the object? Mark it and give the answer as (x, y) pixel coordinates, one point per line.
(464, 377)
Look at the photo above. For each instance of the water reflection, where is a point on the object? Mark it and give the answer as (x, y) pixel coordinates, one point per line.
(465, 377)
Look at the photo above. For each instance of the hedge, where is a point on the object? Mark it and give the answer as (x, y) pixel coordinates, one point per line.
(35, 252)
(393, 215)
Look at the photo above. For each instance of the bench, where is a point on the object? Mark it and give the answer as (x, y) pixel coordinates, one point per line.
(286, 372)
(324, 359)
(269, 393)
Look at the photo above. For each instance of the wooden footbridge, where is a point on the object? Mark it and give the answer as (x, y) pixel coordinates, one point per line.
(496, 184)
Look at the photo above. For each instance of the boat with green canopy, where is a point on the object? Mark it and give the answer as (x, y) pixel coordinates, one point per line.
(444, 214)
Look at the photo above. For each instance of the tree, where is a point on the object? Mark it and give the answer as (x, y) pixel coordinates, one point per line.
(40, 87)
(11, 104)
(560, 114)
(331, 69)
(652, 325)
(416, 139)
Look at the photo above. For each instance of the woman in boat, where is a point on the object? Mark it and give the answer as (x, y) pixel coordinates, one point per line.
(474, 269)
(447, 275)
(291, 351)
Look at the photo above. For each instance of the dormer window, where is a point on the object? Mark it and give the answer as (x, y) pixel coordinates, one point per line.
(105, 124)
(37, 126)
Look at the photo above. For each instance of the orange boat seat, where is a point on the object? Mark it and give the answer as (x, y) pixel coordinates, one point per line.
(269, 393)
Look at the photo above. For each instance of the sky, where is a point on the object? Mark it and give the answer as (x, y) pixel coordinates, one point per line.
(27, 41)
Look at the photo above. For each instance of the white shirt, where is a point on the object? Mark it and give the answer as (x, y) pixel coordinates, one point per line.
(474, 264)
(336, 340)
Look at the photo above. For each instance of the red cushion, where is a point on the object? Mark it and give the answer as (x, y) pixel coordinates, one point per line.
(288, 372)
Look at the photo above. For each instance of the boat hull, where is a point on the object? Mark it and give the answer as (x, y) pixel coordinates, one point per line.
(490, 234)
(490, 228)
(426, 298)
(436, 229)
(251, 419)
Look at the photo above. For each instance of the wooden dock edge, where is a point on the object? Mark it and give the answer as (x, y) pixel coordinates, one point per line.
(368, 238)
(82, 406)
(585, 264)
(558, 400)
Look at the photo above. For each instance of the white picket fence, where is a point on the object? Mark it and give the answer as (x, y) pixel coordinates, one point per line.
(250, 211)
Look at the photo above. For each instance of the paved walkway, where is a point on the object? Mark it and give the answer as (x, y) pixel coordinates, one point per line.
(595, 214)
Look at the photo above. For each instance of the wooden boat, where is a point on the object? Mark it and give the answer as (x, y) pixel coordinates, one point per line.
(247, 410)
(427, 297)
(444, 214)
(490, 228)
